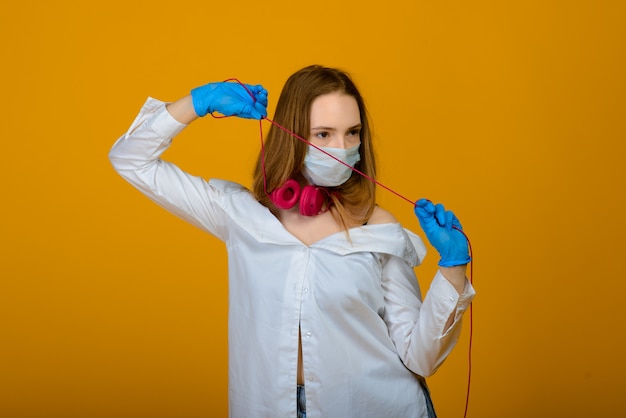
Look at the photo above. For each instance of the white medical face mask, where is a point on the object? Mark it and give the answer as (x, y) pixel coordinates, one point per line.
(322, 170)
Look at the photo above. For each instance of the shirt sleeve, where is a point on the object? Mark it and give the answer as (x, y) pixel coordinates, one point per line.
(418, 329)
(136, 157)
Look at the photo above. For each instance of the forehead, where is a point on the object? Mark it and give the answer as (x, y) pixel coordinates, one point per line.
(335, 109)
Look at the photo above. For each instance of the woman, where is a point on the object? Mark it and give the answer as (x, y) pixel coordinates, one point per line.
(322, 292)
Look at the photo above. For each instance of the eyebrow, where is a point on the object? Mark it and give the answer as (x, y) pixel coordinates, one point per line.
(328, 128)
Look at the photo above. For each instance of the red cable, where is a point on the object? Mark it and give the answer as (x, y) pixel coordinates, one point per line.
(471, 324)
(412, 202)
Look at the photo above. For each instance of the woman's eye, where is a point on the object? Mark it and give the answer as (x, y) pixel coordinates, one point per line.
(322, 135)
(355, 132)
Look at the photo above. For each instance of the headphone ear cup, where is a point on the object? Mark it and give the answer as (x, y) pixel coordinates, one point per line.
(312, 200)
(287, 195)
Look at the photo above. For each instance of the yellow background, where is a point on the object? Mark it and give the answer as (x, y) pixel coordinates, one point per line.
(510, 113)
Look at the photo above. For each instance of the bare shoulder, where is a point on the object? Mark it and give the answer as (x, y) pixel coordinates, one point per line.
(381, 216)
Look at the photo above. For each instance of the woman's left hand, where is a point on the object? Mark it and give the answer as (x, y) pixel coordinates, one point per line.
(443, 230)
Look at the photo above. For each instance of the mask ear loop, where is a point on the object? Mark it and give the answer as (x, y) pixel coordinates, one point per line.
(412, 202)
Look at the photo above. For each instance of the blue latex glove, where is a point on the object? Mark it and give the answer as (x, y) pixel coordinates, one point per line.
(230, 99)
(437, 224)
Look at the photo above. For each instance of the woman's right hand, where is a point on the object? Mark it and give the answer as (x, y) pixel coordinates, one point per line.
(230, 99)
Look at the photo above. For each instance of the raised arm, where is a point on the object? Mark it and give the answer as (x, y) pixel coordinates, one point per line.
(229, 99)
(136, 156)
(182, 110)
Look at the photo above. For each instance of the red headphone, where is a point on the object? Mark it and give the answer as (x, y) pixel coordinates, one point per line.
(313, 199)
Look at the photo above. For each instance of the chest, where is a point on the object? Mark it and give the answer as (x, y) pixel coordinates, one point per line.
(315, 276)
(309, 229)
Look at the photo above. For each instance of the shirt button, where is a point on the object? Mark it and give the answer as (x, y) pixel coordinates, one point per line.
(308, 335)
(305, 290)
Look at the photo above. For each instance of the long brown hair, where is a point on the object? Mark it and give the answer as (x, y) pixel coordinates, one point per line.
(352, 202)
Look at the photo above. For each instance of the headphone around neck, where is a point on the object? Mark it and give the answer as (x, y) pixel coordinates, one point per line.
(313, 199)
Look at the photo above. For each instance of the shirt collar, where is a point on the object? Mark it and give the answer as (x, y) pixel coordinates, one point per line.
(258, 221)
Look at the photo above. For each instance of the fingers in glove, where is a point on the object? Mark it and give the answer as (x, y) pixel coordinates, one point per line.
(440, 214)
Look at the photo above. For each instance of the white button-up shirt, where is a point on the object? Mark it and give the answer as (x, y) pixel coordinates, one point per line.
(367, 337)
